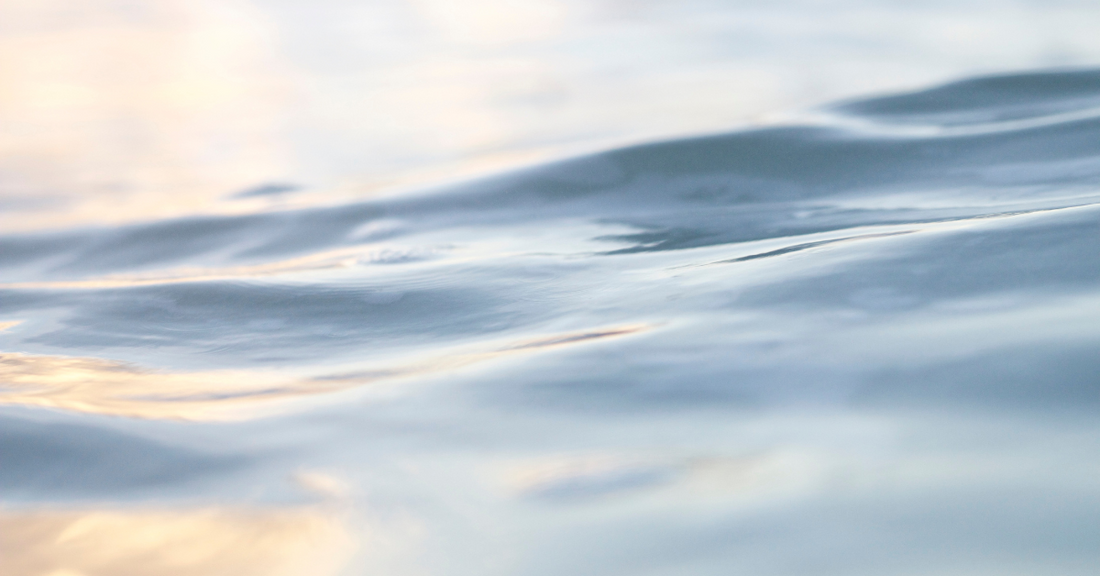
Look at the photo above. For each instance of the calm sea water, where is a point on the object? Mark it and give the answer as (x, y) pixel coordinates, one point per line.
(861, 339)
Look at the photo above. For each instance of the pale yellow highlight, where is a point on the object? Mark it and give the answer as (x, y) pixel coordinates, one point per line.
(747, 479)
(305, 541)
(136, 110)
(101, 386)
(10, 324)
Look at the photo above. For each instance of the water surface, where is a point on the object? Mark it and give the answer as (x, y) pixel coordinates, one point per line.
(860, 342)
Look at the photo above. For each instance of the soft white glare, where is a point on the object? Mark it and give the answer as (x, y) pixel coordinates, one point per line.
(116, 110)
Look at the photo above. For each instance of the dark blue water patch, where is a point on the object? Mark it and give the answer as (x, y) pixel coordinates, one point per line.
(305, 231)
(15, 302)
(1052, 255)
(657, 185)
(700, 191)
(54, 460)
(805, 246)
(190, 240)
(164, 243)
(711, 229)
(18, 249)
(161, 243)
(238, 320)
(1035, 377)
(989, 99)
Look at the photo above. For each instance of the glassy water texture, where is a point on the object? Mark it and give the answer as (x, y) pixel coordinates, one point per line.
(860, 343)
(860, 339)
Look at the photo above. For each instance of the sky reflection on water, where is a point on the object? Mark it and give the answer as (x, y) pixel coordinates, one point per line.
(416, 287)
(116, 111)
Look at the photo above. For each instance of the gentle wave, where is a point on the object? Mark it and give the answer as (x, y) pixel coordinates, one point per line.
(873, 332)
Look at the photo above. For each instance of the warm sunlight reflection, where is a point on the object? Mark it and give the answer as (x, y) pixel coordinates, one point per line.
(203, 542)
(99, 386)
(115, 111)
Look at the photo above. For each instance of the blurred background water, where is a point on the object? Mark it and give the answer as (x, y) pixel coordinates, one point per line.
(118, 111)
(549, 286)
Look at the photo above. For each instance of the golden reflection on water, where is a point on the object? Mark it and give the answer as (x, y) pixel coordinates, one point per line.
(100, 386)
(304, 541)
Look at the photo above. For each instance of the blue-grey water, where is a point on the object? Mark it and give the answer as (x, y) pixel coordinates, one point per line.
(865, 341)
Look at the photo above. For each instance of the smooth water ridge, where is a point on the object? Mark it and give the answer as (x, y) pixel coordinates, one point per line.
(862, 342)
